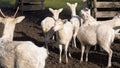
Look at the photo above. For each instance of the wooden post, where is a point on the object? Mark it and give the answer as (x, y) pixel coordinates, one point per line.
(95, 9)
(31, 5)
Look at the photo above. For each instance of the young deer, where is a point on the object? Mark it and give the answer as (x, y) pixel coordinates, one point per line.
(65, 32)
(19, 54)
(89, 20)
(75, 20)
(90, 34)
(49, 22)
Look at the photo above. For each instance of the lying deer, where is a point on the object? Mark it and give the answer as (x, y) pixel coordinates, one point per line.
(19, 54)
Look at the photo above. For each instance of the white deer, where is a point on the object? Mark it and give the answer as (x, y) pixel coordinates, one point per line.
(91, 35)
(9, 25)
(19, 54)
(49, 22)
(65, 32)
(75, 20)
(89, 20)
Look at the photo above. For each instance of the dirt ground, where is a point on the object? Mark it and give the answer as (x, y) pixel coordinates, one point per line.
(30, 29)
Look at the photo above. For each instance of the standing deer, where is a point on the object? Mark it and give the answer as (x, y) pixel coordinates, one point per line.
(75, 20)
(49, 22)
(90, 34)
(65, 32)
(89, 20)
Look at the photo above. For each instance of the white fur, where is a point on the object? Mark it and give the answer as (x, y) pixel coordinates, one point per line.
(22, 54)
(49, 22)
(19, 54)
(75, 20)
(9, 26)
(115, 22)
(65, 32)
(93, 34)
(89, 20)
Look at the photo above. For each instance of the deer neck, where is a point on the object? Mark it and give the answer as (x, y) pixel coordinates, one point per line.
(73, 12)
(8, 32)
(61, 33)
(112, 23)
(55, 17)
(116, 23)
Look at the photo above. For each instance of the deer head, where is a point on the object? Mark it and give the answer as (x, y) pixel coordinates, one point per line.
(73, 8)
(55, 12)
(85, 13)
(59, 24)
(11, 19)
(9, 24)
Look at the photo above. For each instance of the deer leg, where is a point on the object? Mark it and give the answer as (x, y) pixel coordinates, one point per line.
(60, 48)
(82, 52)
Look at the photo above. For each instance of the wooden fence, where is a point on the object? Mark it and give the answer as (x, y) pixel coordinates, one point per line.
(30, 5)
(105, 8)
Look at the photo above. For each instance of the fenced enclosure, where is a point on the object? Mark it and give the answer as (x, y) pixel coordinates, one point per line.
(105, 9)
(30, 30)
(30, 5)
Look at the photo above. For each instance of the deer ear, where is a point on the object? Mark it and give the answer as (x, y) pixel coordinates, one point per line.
(19, 19)
(76, 4)
(1, 19)
(61, 9)
(50, 9)
(88, 11)
(68, 4)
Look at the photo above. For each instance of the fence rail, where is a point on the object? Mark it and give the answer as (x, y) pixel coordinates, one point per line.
(105, 8)
(30, 5)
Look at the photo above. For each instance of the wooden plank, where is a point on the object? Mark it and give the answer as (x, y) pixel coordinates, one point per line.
(107, 5)
(105, 14)
(31, 7)
(95, 9)
(28, 1)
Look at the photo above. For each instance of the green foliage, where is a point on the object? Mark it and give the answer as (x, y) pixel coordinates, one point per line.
(48, 3)
(61, 3)
(7, 2)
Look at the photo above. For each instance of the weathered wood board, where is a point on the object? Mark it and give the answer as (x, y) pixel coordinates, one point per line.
(105, 9)
(30, 5)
